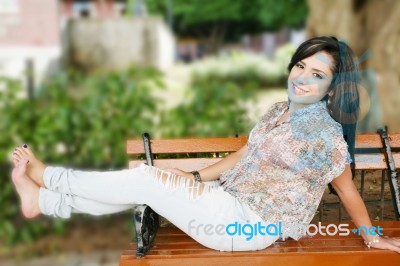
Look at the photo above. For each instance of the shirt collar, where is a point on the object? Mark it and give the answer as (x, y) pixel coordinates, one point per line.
(313, 108)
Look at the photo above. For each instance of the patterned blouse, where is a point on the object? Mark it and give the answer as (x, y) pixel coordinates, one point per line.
(284, 173)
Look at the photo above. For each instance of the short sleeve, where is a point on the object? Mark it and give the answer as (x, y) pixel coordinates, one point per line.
(340, 157)
(348, 158)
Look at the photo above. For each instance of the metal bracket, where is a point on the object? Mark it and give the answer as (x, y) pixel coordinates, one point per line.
(147, 149)
(146, 221)
(392, 173)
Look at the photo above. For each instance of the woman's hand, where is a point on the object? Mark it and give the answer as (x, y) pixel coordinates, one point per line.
(180, 172)
(355, 207)
(387, 243)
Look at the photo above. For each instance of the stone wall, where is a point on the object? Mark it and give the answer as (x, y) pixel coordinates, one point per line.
(368, 26)
(29, 40)
(116, 43)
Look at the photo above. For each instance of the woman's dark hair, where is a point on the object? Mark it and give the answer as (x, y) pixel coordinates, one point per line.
(342, 97)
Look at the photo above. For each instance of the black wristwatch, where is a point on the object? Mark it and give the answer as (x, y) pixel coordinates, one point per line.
(197, 177)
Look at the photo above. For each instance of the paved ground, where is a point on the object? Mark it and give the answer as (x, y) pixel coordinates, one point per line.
(98, 258)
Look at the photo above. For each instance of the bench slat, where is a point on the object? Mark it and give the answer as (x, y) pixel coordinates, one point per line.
(268, 252)
(163, 146)
(374, 161)
(279, 246)
(300, 259)
(363, 161)
(374, 141)
(135, 146)
(188, 164)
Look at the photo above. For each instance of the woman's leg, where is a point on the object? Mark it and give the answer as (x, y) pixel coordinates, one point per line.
(130, 186)
(35, 200)
(63, 205)
(202, 211)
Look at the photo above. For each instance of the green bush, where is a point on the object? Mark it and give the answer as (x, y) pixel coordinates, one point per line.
(84, 121)
(246, 69)
(211, 109)
(74, 120)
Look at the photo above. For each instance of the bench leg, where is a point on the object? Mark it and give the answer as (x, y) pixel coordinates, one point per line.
(146, 225)
(392, 173)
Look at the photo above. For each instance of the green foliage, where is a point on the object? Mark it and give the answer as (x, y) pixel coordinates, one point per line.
(200, 18)
(84, 121)
(246, 69)
(75, 120)
(213, 108)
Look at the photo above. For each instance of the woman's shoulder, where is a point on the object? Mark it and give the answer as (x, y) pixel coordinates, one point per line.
(280, 105)
(273, 111)
(277, 107)
(318, 123)
(329, 124)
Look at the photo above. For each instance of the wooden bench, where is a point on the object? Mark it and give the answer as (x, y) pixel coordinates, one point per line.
(173, 247)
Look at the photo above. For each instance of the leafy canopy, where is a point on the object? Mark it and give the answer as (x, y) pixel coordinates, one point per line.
(198, 17)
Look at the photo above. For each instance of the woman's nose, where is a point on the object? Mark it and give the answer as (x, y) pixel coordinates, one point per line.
(304, 78)
(301, 80)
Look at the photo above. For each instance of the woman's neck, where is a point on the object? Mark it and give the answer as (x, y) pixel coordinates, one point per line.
(295, 106)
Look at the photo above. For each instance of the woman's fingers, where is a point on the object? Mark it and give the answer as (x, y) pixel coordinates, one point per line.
(172, 170)
(395, 248)
(388, 243)
(394, 241)
(178, 172)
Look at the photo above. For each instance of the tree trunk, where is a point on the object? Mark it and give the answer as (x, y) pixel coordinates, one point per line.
(367, 26)
(213, 43)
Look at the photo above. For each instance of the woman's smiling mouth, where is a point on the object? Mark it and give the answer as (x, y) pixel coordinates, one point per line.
(297, 90)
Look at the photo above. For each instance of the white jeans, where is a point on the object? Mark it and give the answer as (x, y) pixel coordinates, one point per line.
(202, 211)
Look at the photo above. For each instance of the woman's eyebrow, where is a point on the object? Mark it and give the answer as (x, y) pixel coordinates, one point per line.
(316, 69)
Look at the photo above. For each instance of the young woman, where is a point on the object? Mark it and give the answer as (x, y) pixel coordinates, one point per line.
(277, 178)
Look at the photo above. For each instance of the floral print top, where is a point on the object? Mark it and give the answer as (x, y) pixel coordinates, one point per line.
(283, 175)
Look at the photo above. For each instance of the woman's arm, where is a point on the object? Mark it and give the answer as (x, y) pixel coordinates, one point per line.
(355, 206)
(213, 172)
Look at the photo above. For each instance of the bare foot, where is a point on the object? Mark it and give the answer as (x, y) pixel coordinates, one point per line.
(35, 167)
(27, 190)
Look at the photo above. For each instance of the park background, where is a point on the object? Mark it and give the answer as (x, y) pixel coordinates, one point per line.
(78, 78)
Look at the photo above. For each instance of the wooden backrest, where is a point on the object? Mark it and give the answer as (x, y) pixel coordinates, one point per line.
(217, 146)
(368, 151)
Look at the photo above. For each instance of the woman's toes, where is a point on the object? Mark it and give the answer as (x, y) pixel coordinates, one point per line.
(19, 153)
(25, 152)
(22, 150)
(27, 149)
(14, 156)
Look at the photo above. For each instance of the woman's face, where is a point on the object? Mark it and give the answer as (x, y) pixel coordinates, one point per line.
(310, 78)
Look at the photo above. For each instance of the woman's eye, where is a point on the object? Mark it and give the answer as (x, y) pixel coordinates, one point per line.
(318, 76)
(300, 65)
